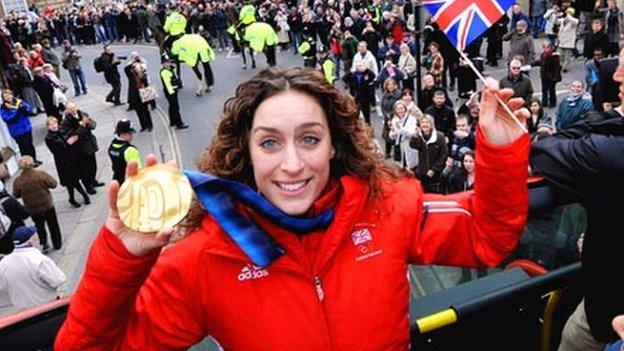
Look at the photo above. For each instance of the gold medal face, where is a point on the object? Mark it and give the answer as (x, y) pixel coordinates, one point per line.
(156, 197)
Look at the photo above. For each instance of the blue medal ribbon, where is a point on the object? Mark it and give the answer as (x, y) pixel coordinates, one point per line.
(216, 194)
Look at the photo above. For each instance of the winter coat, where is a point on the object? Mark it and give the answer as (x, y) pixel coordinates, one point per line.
(521, 86)
(567, 32)
(45, 89)
(584, 163)
(550, 66)
(64, 159)
(520, 44)
(361, 85)
(30, 277)
(15, 116)
(431, 153)
(572, 111)
(34, 187)
(387, 102)
(368, 60)
(111, 73)
(391, 72)
(593, 41)
(71, 59)
(613, 31)
(404, 129)
(309, 298)
(87, 142)
(349, 48)
(407, 63)
(444, 118)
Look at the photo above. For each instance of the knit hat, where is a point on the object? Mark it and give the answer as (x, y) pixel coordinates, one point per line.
(22, 234)
(570, 10)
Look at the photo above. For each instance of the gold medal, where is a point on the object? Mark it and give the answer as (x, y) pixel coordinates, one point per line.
(156, 197)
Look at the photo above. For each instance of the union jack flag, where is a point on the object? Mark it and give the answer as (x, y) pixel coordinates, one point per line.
(463, 21)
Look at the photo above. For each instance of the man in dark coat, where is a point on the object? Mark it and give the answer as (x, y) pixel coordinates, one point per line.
(517, 81)
(45, 89)
(111, 74)
(361, 84)
(78, 123)
(584, 162)
(443, 115)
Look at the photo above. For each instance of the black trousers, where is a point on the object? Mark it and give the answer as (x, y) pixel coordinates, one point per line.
(207, 72)
(88, 168)
(114, 94)
(270, 55)
(174, 110)
(145, 118)
(48, 217)
(365, 108)
(25, 144)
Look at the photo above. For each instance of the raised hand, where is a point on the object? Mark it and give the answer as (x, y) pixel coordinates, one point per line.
(137, 243)
(495, 122)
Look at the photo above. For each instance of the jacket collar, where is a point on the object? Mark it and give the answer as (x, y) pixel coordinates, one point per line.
(349, 195)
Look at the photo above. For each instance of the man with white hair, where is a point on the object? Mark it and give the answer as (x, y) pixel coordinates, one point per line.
(364, 58)
(135, 59)
(521, 42)
(30, 277)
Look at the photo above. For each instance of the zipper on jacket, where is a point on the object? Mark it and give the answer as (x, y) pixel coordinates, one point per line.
(319, 288)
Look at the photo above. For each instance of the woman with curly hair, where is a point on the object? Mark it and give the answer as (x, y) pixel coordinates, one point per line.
(343, 225)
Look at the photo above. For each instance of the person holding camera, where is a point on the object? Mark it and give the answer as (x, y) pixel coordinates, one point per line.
(111, 73)
(71, 62)
(171, 84)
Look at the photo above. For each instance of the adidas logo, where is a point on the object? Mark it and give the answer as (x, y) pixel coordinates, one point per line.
(251, 271)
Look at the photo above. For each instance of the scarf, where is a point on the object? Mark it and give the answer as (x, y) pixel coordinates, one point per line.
(216, 195)
(573, 98)
(13, 105)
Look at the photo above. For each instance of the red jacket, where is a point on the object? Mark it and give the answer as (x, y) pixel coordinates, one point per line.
(342, 289)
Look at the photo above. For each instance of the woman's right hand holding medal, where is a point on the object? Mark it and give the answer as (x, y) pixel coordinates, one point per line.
(137, 243)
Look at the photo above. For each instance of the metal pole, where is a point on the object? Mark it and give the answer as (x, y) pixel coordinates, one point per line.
(418, 32)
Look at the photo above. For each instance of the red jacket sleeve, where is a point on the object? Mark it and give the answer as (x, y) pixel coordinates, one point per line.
(479, 227)
(117, 307)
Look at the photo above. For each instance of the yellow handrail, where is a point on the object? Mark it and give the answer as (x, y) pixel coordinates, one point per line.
(436, 320)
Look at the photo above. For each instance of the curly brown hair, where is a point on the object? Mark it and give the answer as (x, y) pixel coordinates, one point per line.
(356, 154)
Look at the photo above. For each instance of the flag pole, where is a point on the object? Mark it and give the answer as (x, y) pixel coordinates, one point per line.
(476, 71)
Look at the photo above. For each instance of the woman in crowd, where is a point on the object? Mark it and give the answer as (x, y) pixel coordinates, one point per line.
(339, 223)
(15, 113)
(434, 63)
(65, 161)
(391, 95)
(538, 116)
(22, 82)
(458, 180)
(33, 186)
(408, 99)
(402, 127)
(139, 81)
(432, 151)
(407, 64)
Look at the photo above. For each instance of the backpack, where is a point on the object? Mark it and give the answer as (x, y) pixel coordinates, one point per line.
(98, 64)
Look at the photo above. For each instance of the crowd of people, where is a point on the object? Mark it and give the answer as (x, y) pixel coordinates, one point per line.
(370, 46)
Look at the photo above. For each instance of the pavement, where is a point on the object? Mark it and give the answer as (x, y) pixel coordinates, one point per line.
(79, 226)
